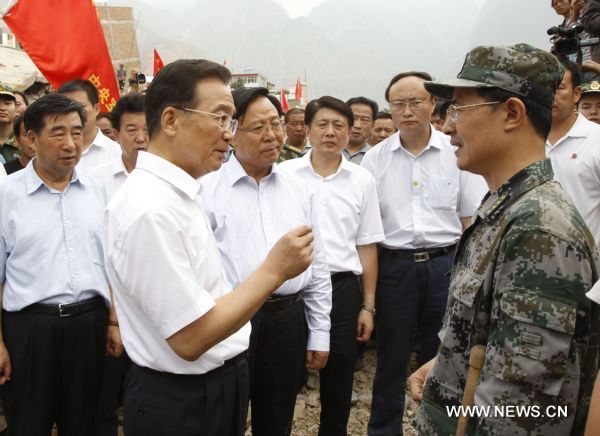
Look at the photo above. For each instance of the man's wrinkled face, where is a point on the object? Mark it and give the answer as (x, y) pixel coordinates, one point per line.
(133, 134)
(382, 129)
(259, 138)
(565, 99)
(294, 128)
(363, 123)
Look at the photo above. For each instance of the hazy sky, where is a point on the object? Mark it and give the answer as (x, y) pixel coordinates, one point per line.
(294, 8)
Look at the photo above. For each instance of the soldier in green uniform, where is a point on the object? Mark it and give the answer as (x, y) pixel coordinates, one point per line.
(8, 148)
(521, 269)
(296, 145)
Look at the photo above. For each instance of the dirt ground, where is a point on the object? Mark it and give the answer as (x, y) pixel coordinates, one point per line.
(306, 420)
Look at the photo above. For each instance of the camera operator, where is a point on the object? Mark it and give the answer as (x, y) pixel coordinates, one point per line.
(590, 18)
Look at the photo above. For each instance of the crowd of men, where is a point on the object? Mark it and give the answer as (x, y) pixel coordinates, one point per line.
(211, 247)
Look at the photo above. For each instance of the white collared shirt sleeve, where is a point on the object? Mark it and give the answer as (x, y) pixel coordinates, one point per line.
(472, 190)
(370, 228)
(317, 295)
(157, 274)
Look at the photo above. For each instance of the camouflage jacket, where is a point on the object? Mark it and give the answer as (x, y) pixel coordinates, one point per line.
(518, 287)
(290, 152)
(9, 150)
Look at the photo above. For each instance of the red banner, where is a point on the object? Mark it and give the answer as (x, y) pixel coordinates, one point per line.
(158, 63)
(298, 91)
(65, 40)
(284, 103)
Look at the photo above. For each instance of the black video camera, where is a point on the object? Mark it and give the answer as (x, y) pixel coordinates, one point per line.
(568, 40)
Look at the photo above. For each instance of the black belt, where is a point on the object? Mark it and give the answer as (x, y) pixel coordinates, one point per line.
(234, 361)
(420, 254)
(67, 309)
(342, 275)
(276, 302)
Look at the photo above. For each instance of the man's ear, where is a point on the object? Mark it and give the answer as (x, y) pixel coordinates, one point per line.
(515, 113)
(169, 120)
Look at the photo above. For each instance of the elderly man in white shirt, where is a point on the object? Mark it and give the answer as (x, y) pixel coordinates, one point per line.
(130, 127)
(54, 290)
(250, 204)
(97, 148)
(425, 202)
(350, 223)
(184, 328)
(573, 146)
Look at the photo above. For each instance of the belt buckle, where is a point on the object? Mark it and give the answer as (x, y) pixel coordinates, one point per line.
(60, 310)
(421, 257)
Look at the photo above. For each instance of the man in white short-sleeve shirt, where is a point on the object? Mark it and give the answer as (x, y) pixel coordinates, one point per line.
(425, 201)
(184, 328)
(349, 220)
(573, 146)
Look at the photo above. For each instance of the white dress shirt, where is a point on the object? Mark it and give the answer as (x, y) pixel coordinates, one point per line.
(348, 210)
(112, 175)
(164, 266)
(249, 218)
(422, 198)
(102, 150)
(576, 164)
(51, 241)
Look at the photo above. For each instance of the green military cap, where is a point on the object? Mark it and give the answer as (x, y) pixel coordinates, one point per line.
(592, 87)
(521, 69)
(7, 90)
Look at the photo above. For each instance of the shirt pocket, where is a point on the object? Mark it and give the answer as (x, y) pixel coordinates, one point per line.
(465, 285)
(442, 193)
(533, 340)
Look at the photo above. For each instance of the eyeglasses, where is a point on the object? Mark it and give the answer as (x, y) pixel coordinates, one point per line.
(453, 110)
(401, 105)
(224, 121)
(261, 129)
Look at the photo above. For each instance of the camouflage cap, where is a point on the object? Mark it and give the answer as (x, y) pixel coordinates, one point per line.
(7, 91)
(521, 69)
(592, 87)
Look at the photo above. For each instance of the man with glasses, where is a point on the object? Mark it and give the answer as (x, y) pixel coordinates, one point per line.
(522, 268)
(185, 329)
(250, 203)
(425, 202)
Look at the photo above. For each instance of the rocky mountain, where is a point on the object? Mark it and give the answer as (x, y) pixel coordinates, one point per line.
(346, 47)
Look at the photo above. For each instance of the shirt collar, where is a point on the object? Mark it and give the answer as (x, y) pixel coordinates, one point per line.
(118, 166)
(33, 181)
(579, 129)
(528, 178)
(435, 140)
(345, 165)
(234, 171)
(170, 173)
(363, 150)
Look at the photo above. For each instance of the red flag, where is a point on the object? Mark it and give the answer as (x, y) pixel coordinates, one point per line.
(158, 63)
(64, 39)
(298, 92)
(284, 103)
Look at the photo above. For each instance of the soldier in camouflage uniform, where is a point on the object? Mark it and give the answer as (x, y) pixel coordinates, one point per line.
(296, 144)
(521, 269)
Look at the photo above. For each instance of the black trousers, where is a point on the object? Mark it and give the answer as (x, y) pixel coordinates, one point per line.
(409, 293)
(115, 370)
(164, 404)
(337, 377)
(56, 371)
(277, 356)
